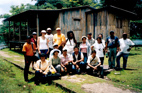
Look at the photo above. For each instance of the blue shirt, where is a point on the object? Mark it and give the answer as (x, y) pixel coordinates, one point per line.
(112, 42)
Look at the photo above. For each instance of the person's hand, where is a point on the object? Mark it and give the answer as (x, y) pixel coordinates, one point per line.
(92, 47)
(44, 73)
(65, 68)
(74, 63)
(77, 66)
(95, 68)
(39, 52)
(40, 71)
(128, 49)
(47, 52)
(118, 49)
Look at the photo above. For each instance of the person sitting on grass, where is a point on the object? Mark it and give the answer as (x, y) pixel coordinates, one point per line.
(77, 60)
(66, 65)
(55, 61)
(94, 64)
(55, 46)
(43, 70)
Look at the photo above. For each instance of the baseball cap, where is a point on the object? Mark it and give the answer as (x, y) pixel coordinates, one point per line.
(84, 37)
(58, 28)
(34, 33)
(64, 49)
(48, 29)
(55, 45)
(43, 31)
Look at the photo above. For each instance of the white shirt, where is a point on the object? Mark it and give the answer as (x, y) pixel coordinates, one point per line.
(50, 38)
(103, 41)
(99, 49)
(124, 45)
(76, 56)
(43, 43)
(70, 44)
(95, 60)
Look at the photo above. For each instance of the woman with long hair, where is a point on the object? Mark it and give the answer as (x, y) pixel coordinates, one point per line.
(70, 42)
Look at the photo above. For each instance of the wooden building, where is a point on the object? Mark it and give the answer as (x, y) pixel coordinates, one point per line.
(80, 20)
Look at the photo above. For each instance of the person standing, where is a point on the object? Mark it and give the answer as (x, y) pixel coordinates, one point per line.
(102, 40)
(85, 48)
(28, 56)
(59, 39)
(112, 42)
(42, 44)
(49, 36)
(70, 42)
(125, 46)
(90, 40)
(34, 40)
(99, 47)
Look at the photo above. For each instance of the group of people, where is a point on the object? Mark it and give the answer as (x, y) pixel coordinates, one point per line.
(65, 57)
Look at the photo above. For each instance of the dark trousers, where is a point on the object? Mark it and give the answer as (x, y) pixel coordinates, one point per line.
(125, 57)
(45, 52)
(99, 68)
(102, 60)
(85, 58)
(39, 77)
(82, 66)
(61, 48)
(28, 60)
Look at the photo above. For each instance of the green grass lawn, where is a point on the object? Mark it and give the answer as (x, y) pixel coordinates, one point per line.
(127, 79)
(12, 81)
(131, 78)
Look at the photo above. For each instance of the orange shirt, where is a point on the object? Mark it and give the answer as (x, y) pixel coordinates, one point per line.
(58, 39)
(28, 49)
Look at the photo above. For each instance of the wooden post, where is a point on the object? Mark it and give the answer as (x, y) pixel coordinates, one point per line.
(20, 31)
(37, 19)
(9, 34)
(27, 27)
(13, 30)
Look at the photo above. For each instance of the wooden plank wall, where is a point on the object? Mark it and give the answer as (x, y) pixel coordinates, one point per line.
(106, 22)
(69, 20)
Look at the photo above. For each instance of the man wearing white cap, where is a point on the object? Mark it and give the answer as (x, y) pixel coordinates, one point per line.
(49, 36)
(59, 39)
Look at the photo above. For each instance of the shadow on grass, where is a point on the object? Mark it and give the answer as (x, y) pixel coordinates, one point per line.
(132, 54)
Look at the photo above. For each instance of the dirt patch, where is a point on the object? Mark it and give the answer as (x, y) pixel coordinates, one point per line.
(103, 88)
(73, 79)
(4, 54)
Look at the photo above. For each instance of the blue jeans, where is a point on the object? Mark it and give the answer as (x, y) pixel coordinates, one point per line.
(85, 58)
(125, 57)
(45, 52)
(82, 66)
(112, 57)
